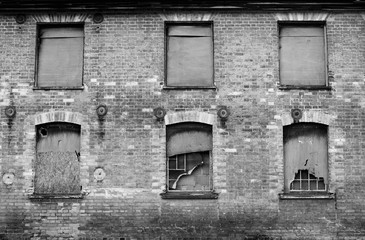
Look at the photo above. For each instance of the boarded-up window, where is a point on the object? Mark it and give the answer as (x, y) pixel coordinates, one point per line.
(57, 165)
(60, 56)
(189, 55)
(189, 147)
(302, 55)
(305, 153)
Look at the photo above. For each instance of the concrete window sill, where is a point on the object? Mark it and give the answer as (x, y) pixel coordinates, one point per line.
(60, 196)
(189, 195)
(58, 88)
(292, 87)
(189, 88)
(307, 196)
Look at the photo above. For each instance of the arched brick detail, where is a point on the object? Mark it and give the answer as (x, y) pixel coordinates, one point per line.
(29, 153)
(302, 16)
(59, 116)
(61, 17)
(187, 16)
(308, 116)
(191, 116)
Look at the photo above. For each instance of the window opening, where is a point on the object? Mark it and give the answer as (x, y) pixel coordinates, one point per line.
(303, 54)
(189, 55)
(60, 55)
(57, 164)
(305, 154)
(189, 146)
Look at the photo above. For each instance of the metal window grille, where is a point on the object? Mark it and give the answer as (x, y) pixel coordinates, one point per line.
(184, 165)
(304, 181)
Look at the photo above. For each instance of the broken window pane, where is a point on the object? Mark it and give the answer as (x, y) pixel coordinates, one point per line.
(321, 184)
(303, 183)
(181, 161)
(189, 147)
(195, 176)
(295, 185)
(305, 153)
(57, 163)
(172, 162)
(302, 55)
(304, 174)
(189, 55)
(60, 56)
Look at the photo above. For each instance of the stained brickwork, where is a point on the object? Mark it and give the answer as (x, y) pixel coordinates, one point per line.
(124, 68)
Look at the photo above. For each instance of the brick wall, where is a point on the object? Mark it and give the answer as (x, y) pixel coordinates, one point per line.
(124, 69)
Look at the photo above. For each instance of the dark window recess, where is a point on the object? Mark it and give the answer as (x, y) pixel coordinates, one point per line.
(305, 153)
(189, 55)
(60, 56)
(57, 165)
(189, 147)
(302, 55)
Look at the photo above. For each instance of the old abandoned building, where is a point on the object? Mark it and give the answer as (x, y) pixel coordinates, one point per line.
(182, 119)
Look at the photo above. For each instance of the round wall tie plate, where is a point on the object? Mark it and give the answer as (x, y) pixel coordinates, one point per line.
(8, 178)
(10, 111)
(296, 114)
(223, 112)
(20, 18)
(99, 174)
(159, 113)
(101, 110)
(98, 18)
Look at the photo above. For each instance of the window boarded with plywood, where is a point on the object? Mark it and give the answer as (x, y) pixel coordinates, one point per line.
(302, 55)
(189, 55)
(189, 147)
(60, 56)
(57, 165)
(306, 153)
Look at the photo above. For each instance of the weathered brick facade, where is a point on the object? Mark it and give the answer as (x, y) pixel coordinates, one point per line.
(124, 68)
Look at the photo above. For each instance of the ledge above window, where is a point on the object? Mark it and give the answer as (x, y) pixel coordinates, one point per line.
(307, 196)
(304, 87)
(190, 195)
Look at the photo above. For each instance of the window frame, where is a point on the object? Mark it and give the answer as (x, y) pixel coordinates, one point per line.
(289, 193)
(321, 24)
(167, 24)
(190, 194)
(39, 26)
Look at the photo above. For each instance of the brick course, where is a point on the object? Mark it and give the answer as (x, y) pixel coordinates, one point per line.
(124, 69)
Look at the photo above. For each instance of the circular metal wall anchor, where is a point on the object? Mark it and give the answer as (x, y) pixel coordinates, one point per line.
(20, 18)
(101, 110)
(296, 114)
(159, 113)
(8, 178)
(10, 111)
(223, 113)
(99, 174)
(98, 18)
